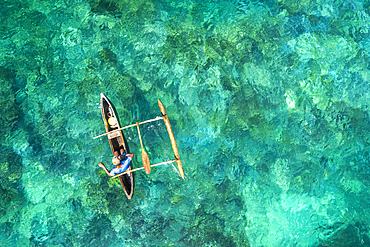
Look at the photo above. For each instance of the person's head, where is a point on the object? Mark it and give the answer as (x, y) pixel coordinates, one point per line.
(116, 161)
(115, 153)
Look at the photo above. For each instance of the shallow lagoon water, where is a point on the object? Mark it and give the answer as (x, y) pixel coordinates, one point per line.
(269, 102)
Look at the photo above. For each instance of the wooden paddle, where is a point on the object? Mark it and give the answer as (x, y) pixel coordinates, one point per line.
(144, 155)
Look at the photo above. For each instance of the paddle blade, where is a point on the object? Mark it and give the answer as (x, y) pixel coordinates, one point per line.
(146, 162)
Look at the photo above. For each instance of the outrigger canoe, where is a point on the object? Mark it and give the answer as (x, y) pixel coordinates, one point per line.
(117, 142)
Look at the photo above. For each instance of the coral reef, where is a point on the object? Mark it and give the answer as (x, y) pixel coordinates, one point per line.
(268, 100)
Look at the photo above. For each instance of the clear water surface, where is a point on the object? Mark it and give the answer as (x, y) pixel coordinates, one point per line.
(269, 102)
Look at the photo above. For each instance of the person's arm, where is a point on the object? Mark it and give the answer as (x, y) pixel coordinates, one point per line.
(130, 155)
(127, 155)
(104, 168)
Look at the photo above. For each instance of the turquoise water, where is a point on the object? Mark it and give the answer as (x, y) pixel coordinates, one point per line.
(269, 102)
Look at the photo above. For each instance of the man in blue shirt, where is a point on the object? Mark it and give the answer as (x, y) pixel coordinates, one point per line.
(121, 163)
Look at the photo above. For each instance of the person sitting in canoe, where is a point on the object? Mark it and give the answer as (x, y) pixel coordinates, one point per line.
(121, 163)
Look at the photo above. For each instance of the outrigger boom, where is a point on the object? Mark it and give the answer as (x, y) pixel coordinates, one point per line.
(141, 168)
(129, 126)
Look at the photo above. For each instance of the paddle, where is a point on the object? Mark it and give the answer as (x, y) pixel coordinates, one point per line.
(144, 155)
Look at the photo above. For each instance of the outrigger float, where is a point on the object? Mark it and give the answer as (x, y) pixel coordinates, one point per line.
(117, 141)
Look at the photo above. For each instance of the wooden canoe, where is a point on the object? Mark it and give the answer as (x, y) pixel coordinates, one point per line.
(117, 142)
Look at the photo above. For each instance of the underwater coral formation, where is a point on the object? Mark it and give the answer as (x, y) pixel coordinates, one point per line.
(269, 102)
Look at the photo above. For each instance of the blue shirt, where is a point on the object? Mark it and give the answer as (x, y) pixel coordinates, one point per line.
(125, 164)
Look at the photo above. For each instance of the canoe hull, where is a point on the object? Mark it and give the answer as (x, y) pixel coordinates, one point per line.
(117, 142)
